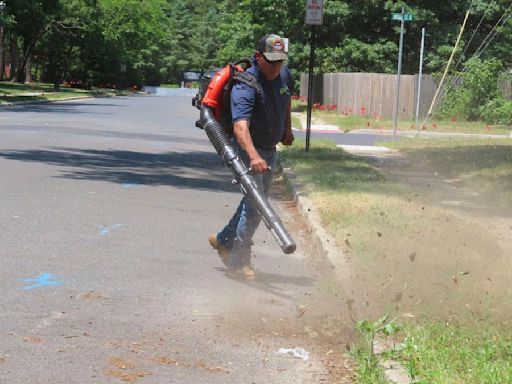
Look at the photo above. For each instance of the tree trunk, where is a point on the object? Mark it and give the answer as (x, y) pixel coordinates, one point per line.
(2, 53)
(14, 55)
(36, 72)
(28, 69)
(22, 64)
(24, 73)
(56, 80)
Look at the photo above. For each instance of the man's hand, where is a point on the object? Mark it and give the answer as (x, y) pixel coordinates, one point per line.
(243, 136)
(288, 137)
(258, 165)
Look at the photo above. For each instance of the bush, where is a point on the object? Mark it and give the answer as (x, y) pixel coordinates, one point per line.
(478, 87)
(497, 111)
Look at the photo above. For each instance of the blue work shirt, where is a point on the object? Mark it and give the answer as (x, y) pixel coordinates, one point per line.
(266, 114)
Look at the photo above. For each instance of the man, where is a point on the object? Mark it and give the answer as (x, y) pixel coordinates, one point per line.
(259, 123)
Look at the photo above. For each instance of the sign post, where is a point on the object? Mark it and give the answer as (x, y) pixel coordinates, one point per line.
(314, 17)
(402, 17)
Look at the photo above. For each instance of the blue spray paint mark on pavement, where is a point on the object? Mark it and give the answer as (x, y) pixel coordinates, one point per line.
(130, 185)
(105, 229)
(43, 280)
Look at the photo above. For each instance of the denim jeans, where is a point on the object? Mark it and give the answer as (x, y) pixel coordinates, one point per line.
(237, 234)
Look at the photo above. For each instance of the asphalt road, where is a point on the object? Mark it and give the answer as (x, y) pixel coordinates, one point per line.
(106, 273)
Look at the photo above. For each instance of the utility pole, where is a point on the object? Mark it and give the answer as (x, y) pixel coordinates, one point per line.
(429, 113)
(420, 74)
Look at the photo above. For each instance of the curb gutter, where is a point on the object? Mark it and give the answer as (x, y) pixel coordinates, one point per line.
(394, 372)
(71, 98)
(15, 103)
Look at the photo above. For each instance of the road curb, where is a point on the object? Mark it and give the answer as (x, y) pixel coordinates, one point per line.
(429, 134)
(71, 98)
(321, 239)
(15, 103)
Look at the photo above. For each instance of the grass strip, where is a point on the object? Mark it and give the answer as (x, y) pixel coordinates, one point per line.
(15, 92)
(382, 224)
(453, 353)
(350, 121)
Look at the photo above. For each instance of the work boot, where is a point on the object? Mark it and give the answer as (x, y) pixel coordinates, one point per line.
(246, 272)
(221, 249)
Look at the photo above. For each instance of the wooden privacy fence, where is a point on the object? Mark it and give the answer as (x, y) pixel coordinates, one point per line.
(370, 94)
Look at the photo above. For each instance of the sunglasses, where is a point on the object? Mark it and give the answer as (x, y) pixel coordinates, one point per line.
(276, 63)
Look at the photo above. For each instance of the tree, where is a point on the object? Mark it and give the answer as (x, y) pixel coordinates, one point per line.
(32, 19)
(135, 31)
(129, 42)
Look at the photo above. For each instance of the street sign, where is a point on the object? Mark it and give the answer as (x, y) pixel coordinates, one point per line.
(314, 12)
(398, 16)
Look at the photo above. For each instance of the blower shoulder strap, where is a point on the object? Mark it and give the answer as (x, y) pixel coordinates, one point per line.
(249, 79)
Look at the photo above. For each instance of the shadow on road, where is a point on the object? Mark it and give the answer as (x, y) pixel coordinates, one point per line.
(107, 133)
(271, 282)
(194, 170)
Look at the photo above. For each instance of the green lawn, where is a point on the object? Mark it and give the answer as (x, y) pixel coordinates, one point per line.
(399, 239)
(15, 92)
(485, 165)
(347, 123)
(453, 353)
(442, 352)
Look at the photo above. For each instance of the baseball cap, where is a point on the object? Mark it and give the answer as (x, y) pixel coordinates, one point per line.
(272, 47)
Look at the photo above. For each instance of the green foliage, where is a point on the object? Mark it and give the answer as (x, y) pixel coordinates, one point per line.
(153, 41)
(356, 55)
(497, 111)
(479, 86)
(235, 32)
(136, 31)
(193, 39)
(368, 369)
(455, 353)
(370, 329)
(435, 352)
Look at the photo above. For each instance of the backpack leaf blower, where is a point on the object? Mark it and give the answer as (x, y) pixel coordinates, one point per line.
(209, 101)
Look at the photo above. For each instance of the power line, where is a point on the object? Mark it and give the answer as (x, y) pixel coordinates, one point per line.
(493, 32)
(483, 46)
(472, 36)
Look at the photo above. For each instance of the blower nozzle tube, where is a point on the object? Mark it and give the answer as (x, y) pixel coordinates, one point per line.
(224, 148)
